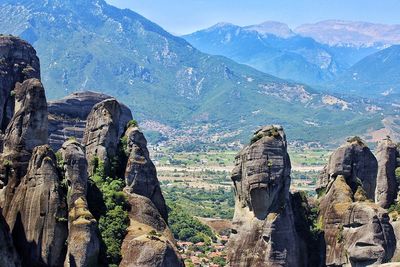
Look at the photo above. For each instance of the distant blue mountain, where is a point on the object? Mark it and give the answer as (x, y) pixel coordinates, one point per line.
(274, 48)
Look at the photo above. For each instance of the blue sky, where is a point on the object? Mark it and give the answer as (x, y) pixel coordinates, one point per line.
(185, 16)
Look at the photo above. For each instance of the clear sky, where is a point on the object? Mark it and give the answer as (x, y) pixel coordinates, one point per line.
(185, 16)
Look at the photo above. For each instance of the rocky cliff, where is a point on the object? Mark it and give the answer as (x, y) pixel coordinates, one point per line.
(140, 173)
(357, 231)
(67, 116)
(43, 195)
(38, 212)
(83, 237)
(355, 161)
(149, 242)
(264, 231)
(386, 185)
(26, 130)
(18, 62)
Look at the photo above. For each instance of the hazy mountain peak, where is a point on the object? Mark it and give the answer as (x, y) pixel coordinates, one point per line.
(272, 27)
(351, 33)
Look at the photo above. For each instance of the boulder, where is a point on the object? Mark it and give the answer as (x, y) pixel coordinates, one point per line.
(67, 116)
(26, 130)
(386, 183)
(355, 161)
(38, 212)
(141, 174)
(101, 138)
(149, 242)
(264, 232)
(83, 236)
(18, 62)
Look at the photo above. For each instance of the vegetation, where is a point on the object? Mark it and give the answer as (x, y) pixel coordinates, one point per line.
(187, 228)
(356, 139)
(132, 123)
(111, 208)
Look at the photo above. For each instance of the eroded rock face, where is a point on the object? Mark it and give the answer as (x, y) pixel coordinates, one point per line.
(357, 231)
(67, 116)
(263, 231)
(355, 161)
(141, 174)
(83, 236)
(38, 212)
(27, 130)
(8, 255)
(101, 136)
(149, 241)
(18, 62)
(386, 184)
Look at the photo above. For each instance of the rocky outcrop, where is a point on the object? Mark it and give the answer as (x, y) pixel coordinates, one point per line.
(8, 255)
(141, 174)
(67, 116)
(38, 212)
(386, 184)
(263, 231)
(357, 231)
(101, 138)
(83, 236)
(355, 161)
(27, 130)
(149, 242)
(18, 62)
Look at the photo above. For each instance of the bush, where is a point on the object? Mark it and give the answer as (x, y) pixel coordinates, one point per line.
(187, 228)
(132, 123)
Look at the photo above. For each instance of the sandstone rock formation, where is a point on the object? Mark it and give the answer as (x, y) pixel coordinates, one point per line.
(264, 233)
(8, 255)
(356, 163)
(101, 138)
(83, 236)
(386, 184)
(149, 242)
(38, 212)
(141, 174)
(26, 130)
(67, 116)
(357, 231)
(18, 62)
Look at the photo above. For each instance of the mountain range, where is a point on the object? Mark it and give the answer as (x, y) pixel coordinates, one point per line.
(88, 44)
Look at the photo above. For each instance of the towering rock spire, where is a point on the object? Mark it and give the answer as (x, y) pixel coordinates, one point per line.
(386, 185)
(355, 161)
(101, 136)
(18, 62)
(38, 212)
(264, 232)
(140, 174)
(26, 130)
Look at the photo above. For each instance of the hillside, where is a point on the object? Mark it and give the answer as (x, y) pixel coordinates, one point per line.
(270, 47)
(89, 44)
(377, 75)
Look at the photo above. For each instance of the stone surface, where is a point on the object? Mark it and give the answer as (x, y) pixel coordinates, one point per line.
(8, 255)
(18, 62)
(263, 231)
(141, 174)
(83, 236)
(386, 183)
(38, 213)
(149, 241)
(355, 161)
(101, 138)
(357, 231)
(67, 116)
(26, 130)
